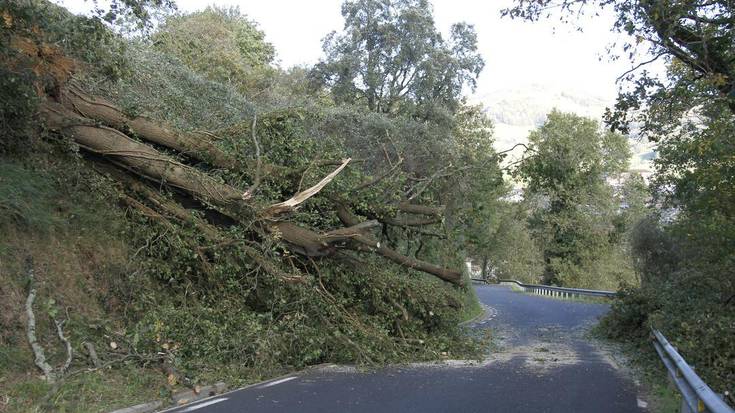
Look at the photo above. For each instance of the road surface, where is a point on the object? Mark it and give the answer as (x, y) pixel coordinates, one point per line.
(544, 364)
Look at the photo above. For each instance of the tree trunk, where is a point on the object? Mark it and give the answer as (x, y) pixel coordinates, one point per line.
(106, 112)
(138, 157)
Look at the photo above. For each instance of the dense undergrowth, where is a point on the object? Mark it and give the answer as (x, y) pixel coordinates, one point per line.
(685, 294)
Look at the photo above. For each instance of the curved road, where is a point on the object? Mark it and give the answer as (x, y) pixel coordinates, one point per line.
(544, 364)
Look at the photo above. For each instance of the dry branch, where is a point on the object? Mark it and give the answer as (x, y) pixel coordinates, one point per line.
(67, 345)
(92, 354)
(291, 204)
(49, 372)
(38, 352)
(259, 163)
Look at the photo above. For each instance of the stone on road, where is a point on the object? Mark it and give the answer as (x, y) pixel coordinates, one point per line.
(544, 364)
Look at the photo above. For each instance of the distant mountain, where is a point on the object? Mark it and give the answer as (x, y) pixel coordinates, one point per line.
(518, 111)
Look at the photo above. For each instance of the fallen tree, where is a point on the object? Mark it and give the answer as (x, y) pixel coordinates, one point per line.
(99, 127)
(64, 115)
(208, 237)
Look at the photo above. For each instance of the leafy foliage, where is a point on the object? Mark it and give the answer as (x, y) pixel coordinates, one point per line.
(86, 38)
(683, 254)
(221, 44)
(510, 251)
(696, 35)
(568, 163)
(390, 58)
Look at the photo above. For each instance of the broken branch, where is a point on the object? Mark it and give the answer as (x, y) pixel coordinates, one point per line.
(291, 204)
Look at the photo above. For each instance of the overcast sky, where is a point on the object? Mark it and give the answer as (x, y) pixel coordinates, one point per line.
(518, 54)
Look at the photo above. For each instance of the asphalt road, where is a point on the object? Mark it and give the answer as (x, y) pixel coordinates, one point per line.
(544, 364)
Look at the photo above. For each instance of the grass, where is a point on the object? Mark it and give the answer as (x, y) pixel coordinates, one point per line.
(96, 391)
(664, 398)
(23, 390)
(472, 307)
(64, 222)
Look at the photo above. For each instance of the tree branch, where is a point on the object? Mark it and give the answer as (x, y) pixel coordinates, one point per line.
(259, 165)
(38, 352)
(300, 197)
(378, 178)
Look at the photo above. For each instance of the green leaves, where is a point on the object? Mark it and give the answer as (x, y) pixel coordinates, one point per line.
(566, 169)
(221, 44)
(391, 59)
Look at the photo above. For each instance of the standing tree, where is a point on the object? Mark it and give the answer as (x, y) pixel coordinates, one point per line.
(569, 161)
(390, 57)
(220, 43)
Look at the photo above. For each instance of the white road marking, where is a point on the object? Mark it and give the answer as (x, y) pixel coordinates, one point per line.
(205, 404)
(273, 383)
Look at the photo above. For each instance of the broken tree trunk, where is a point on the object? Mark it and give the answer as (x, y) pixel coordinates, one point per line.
(101, 110)
(138, 157)
(420, 209)
(313, 244)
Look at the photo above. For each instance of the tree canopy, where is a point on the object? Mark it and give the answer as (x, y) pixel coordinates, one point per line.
(683, 253)
(220, 43)
(695, 36)
(566, 171)
(390, 57)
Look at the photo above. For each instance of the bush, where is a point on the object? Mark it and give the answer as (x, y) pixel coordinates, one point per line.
(687, 299)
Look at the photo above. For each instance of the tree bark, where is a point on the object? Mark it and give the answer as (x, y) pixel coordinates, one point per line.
(138, 157)
(106, 112)
(421, 209)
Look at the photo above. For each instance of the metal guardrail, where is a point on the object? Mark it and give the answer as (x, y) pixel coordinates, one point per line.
(697, 396)
(563, 292)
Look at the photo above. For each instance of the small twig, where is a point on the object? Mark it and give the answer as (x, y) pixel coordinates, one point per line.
(209, 134)
(378, 178)
(515, 146)
(638, 66)
(387, 158)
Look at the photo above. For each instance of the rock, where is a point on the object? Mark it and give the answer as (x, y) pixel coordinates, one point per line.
(140, 408)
